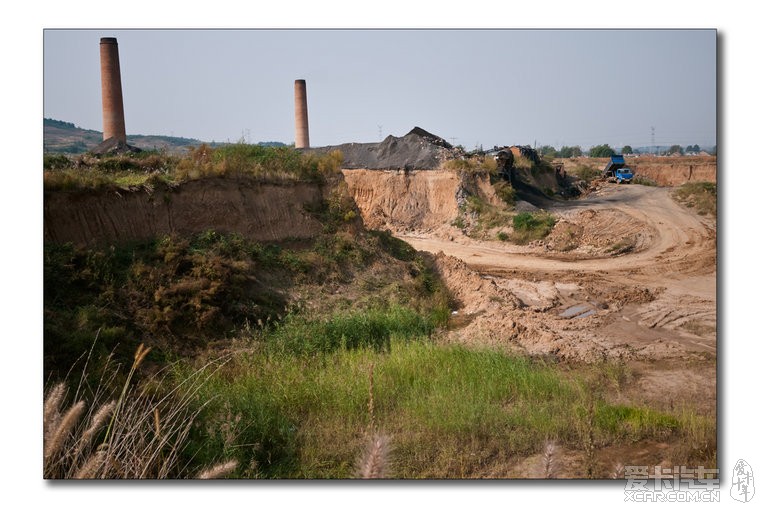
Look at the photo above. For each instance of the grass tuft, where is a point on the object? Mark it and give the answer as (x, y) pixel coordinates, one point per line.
(530, 226)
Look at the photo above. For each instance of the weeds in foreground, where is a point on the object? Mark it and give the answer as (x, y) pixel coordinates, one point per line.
(142, 434)
(550, 460)
(374, 461)
(448, 411)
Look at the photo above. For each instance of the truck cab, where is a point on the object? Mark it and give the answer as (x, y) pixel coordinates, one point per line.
(623, 175)
(617, 171)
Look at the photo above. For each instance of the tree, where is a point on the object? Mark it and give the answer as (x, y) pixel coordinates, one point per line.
(601, 151)
(627, 150)
(548, 151)
(675, 149)
(569, 151)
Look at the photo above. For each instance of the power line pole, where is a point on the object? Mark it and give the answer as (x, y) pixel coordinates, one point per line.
(653, 146)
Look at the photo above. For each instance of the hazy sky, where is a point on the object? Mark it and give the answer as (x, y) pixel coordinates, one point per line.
(490, 87)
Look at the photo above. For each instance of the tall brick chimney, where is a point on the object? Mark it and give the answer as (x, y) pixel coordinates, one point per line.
(110, 79)
(302, 115)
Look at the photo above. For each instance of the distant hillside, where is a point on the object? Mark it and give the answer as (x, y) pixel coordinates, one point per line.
(65, 137)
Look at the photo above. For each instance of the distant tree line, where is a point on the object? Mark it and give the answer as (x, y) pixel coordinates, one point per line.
(564, 153)
(606, 151)
(58, 123)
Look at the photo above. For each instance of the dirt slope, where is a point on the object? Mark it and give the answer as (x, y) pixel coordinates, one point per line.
(413, 200)
(654, 300)
(404, 200)
(258, 211)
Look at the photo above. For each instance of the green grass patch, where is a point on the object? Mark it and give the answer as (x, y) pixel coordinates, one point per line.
(369, 328)
(505, 191)
(148, 168)
(529, 226)
(448, 411)
(482, 216)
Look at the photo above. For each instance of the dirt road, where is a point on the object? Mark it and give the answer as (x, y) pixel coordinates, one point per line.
(669, 239)
(656, 300)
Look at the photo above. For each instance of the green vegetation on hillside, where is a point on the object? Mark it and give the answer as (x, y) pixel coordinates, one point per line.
(179, 294)
(150, 168)
(478, 164)
(531, 226)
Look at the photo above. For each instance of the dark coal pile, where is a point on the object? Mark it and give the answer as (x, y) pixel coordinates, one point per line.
(418, 149)
(113, 146)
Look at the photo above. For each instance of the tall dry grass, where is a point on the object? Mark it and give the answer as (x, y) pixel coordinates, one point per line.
(141, 434)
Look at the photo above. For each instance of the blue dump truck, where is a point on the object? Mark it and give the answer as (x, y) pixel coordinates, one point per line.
(617, 171)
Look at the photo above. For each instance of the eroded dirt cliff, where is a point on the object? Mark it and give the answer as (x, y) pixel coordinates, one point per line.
(260, 211)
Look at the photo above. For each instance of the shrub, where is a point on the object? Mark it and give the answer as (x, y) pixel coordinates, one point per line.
(55, 162)
(531, 226)
(396, 247)
(506, 192)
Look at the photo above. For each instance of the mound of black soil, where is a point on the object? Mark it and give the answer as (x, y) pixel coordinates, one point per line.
(418, 149)
(113, 146)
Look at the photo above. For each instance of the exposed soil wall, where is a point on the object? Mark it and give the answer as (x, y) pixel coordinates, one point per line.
(399, 200)
(260, 211)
